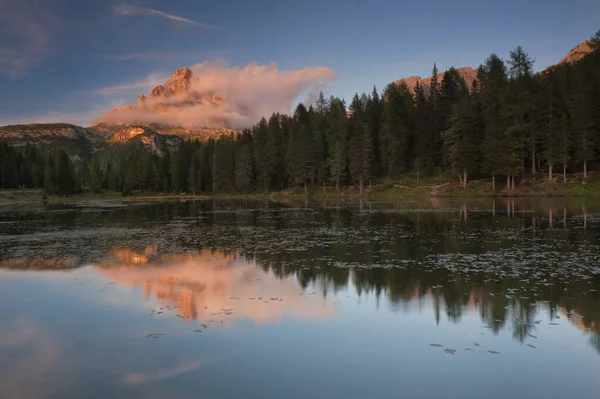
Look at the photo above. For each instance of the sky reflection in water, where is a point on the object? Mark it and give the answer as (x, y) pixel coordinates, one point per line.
(177, 300)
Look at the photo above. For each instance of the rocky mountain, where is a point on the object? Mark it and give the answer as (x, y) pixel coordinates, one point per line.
(468, 74)
(77, 141)
(168, 104)
(83, 143)
(202, 134)
(577, 53)
(159, 121)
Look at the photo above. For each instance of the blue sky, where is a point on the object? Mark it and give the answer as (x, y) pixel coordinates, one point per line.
(71, 60)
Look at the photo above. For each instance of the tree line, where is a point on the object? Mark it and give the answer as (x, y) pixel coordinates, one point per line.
(508, 123)
(30, 167)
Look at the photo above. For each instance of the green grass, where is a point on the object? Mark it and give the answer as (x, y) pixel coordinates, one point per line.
(407, 187)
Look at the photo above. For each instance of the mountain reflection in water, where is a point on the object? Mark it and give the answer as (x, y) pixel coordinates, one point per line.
(212, 284)
(203, 298)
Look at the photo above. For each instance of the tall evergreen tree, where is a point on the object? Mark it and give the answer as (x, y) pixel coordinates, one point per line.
(396, 129)
(462, 139)
(337, 141)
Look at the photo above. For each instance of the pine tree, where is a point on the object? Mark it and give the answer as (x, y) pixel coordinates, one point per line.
(64, 176)
(519, 135)
(337, 141)
(374, 116)
(361, 155)
(193, 177)
(275, 151)
(434, 94)
(95, 177)
(425, 159)
(492, 78)
(261, 157)
(462, 139)
(224, 166)
(244, 167)
(396, 129)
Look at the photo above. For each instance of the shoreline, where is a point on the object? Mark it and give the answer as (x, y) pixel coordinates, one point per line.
(401, 189)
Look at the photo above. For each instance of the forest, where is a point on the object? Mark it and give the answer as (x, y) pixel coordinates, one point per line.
(509, 125)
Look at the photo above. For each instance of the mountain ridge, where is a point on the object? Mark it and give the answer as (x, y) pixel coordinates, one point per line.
(177, 93)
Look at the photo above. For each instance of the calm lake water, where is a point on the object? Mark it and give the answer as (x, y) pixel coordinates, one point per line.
(442, 299)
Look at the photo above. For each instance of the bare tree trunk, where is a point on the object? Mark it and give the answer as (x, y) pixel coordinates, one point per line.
(565, 217)
(493, 183)
(362, 186)
(460, 179)
(550, 218)
(513, 183)
(523, 172)
(465, 177)
(565, 174)
(508, 182)
(550, 167)
(585, 169)
(305, 188)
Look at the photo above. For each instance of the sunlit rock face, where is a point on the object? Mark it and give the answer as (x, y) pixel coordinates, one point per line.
(213, 286)
(176, 96)
(577, 53)
(468, 74)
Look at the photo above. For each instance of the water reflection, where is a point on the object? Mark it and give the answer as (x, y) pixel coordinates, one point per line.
(516, 280)
(212, 286)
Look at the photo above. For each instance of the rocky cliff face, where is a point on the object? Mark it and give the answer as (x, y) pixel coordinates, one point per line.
(166, 103)
(79, 142)
(35, 133)
(577, 53)
(468, 74)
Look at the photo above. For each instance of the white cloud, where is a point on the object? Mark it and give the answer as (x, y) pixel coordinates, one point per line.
(249, 93)
(153, 79)
(128, 9)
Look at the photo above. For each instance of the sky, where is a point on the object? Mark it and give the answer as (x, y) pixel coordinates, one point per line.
(72, 60)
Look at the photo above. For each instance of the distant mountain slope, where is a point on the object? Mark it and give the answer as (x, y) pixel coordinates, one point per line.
(468, 74)
(76, 140)
(129, 140)
(201, 134)
(577, 53)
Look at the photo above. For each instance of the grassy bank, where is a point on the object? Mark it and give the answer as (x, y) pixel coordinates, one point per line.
(409, 187)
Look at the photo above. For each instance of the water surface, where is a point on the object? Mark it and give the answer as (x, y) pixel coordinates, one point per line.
(493, 298)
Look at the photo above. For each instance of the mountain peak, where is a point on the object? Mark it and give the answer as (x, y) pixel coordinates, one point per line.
(578, 52)
(168, 104)
(467, 73)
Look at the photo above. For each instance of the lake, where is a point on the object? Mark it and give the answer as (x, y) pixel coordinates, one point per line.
(431, 299)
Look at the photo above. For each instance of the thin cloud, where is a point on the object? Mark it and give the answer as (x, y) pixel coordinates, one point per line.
(168, 55)
(136, 378)
(154, 79)
(24, 36)
(128, 9)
